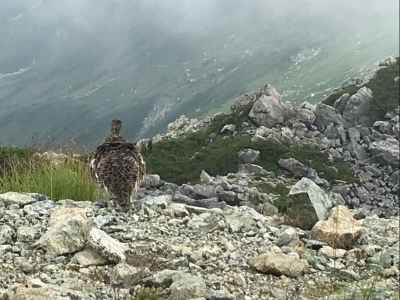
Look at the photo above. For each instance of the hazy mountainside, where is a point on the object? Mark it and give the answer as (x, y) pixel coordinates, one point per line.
(67, 69)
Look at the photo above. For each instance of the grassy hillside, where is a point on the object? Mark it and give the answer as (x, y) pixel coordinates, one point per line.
(182, 160)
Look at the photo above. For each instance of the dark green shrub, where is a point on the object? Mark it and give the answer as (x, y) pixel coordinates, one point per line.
(385, 90)
(182, 160)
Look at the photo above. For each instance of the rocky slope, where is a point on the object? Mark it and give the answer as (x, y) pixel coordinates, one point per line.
(349, 145)
(269, 223)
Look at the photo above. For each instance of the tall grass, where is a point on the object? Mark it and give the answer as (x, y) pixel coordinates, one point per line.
(68, 180)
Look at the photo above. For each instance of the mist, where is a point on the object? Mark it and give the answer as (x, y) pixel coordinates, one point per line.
(150, 60)
(112, 20)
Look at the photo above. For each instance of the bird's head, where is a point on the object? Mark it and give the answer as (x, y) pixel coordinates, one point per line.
(116, 128)
(115, 136)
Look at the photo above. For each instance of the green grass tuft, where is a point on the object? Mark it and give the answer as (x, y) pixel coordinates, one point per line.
(148, 294)
(69, 180)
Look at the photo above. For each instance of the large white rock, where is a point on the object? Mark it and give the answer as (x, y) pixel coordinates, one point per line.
(307, 204)
(68, 228)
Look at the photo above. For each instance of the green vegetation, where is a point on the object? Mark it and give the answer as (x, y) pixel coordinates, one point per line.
(384, 88)
(25, 173)
(337, 93)
(147, 294)
(281, 190)
(182, 160)
(8, 155)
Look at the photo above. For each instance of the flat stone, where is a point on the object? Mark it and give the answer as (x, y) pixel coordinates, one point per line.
(341, 230)
(332, 253)
(108, 247)
(277, 263)
(89, 257)
(67, 231)
(20, 199)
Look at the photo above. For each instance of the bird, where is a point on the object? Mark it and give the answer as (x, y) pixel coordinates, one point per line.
(119, 167)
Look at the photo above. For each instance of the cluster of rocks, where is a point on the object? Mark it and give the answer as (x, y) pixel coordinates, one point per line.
(84, 250)
(346, 131)
(181, 127)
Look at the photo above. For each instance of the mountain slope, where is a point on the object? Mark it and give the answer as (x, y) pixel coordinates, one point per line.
(66, 70)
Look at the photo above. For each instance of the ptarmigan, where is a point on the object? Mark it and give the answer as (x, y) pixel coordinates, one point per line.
(119, 167)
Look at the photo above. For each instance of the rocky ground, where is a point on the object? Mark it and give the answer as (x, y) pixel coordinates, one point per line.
(228, 237)
(77, 250)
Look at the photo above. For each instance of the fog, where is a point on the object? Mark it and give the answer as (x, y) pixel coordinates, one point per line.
(195, 16)
(111, 23)
(154, 59)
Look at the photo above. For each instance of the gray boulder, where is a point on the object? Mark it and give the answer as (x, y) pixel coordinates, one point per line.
(6, 235)
(277, 263)
(249, 156)
(242, 103)
(307, 204)
(181, 285)
(152, 181)
(387, 151)
(20, 199)
(252, 169)
(292, 165)
(383, 126)
(228, 129)
(340, 104)
(326, 115)
(268, 110)
(68, 227)
(88, 257)
(304, 115)
(357, 107)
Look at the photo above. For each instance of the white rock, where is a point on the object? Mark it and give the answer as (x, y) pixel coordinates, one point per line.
(108, 247)
(68, 228)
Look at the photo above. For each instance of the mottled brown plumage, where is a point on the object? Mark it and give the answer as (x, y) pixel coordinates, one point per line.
(119, 167)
